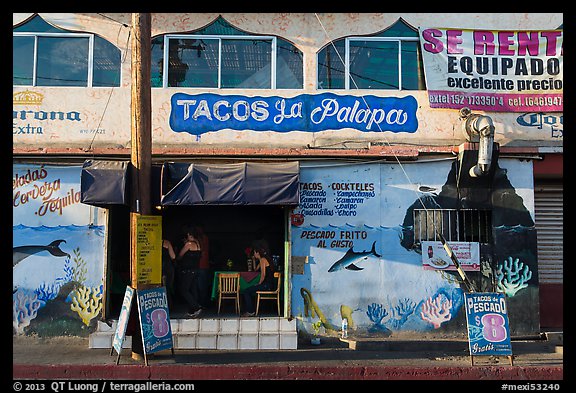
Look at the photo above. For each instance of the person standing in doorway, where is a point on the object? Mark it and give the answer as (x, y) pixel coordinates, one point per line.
(168, 258)
(266, 283)
(204, 277)
(187, 272)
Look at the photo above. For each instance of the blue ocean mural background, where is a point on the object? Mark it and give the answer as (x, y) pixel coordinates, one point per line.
(81, 242)
(344, 210)
(58, 254)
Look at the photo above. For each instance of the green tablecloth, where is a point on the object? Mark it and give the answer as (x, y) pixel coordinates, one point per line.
(247, 279)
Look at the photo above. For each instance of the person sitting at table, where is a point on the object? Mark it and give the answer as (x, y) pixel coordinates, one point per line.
(187, 270)
(266, 282)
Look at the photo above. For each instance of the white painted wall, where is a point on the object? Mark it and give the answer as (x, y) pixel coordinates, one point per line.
(104, 113)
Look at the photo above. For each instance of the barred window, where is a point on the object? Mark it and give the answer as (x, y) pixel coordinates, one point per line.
(463, 225)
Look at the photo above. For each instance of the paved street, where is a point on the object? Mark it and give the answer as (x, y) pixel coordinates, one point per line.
(70, 358)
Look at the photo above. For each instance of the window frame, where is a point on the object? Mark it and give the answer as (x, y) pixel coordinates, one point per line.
(347, 41)
(90, 54)
(458, 233)
(166, 54)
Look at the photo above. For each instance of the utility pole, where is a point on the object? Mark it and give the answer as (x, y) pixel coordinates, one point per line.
(141, 147)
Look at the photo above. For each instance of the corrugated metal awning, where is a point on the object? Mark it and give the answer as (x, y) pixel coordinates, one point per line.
(549, 211)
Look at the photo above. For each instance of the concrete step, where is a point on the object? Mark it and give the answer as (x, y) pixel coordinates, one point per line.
(555, 337)
(266, 333)
(452, 346)
(412, 345)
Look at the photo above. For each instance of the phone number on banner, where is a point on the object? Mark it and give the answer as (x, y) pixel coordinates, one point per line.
(497, 102)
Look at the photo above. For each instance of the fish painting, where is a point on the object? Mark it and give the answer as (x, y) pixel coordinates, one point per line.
(22, 252)
(351, 258)
(426, 189)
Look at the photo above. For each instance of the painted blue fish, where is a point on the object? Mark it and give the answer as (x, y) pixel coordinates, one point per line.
(351, 257)
(22, 252)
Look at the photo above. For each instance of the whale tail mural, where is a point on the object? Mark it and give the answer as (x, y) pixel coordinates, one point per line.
(351, 258)
(22, 252)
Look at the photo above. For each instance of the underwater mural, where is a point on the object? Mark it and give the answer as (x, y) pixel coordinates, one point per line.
(58, 254)
(352, 226)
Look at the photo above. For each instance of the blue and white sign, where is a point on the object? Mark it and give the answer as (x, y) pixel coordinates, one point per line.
(154, 319)
(201, 113)
(120, 333)
(487, 318)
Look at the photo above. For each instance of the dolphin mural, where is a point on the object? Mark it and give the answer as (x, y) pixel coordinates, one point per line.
(22, 252)
(351, 257)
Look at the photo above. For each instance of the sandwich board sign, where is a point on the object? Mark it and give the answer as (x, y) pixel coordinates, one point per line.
(488, 328)
(154, 321)
(120, 333)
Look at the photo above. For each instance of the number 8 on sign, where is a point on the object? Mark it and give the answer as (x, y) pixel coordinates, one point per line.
(493, 327)
(159, 323)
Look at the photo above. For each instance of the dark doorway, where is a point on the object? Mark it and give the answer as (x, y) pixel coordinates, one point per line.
(118, 259)
(230, 229)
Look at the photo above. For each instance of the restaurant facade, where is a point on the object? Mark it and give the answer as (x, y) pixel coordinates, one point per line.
(358, 148)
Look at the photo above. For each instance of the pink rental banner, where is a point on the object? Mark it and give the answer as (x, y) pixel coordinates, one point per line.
(489, 70)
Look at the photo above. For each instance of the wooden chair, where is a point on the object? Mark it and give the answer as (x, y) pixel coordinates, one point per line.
(270, 295)
(229, 288)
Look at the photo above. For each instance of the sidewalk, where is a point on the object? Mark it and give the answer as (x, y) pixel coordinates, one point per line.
(335, 359)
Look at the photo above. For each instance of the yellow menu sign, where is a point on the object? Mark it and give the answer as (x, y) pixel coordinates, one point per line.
(148, 249)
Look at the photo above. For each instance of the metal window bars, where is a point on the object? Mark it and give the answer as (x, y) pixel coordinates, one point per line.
(463, 225)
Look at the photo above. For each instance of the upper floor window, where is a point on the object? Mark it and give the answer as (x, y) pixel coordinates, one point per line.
(44, 55)
(389, 60)
(221, 56)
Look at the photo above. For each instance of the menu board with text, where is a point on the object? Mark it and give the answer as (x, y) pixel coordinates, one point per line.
(148, 249)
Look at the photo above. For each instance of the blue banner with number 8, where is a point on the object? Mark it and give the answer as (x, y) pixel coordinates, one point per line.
(487, 319)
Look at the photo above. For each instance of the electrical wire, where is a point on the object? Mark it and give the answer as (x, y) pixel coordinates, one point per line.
(453, 257)
(113, 20)
(367, 106)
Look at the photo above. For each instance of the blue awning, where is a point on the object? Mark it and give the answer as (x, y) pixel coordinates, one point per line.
(244, 183)
(106, 183)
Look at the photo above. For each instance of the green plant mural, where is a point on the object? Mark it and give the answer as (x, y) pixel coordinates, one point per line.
(79, 272)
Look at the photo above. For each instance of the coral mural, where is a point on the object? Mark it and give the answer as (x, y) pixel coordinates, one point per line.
(401, 312)
(512, 276)
(50, 299)
(356, 229)
(436, 311)
(377, 313)
(25, 307)
(87, 302)
(311, 310)
(346, 312)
